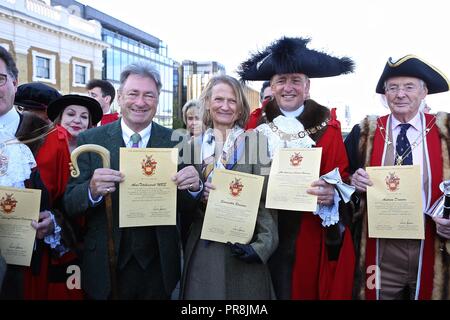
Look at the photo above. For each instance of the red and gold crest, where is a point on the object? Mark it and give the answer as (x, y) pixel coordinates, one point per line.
(296, 159)
(148, 165)
(392, 181)
(8, 204)
(236, 187)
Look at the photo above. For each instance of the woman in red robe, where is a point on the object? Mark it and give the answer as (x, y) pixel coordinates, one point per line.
(71, 114)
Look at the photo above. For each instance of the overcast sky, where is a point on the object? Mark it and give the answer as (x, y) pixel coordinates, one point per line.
(367, 31)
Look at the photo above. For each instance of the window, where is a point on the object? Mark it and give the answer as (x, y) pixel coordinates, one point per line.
(44, 66)
(80, 73)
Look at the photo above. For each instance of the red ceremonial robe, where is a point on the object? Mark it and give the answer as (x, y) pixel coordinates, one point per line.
(426, 265)
(109, 117)
(53, 163)
(252, 122)
(314, 276)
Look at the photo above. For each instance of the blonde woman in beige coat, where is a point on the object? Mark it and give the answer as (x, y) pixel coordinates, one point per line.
(216, 270)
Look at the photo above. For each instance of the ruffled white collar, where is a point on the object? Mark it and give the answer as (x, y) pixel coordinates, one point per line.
(16, 159)
(9, 122)
(285, 125)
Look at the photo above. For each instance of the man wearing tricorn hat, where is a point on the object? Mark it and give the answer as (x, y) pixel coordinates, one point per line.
(315, 258)
(408, 268)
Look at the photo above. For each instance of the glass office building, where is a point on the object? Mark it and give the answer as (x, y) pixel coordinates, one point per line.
(129, 44)
(125, 50)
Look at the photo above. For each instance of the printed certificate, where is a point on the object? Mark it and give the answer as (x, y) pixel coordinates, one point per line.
(147, 197)
(233, 207)
(292, 172)
(394, 203)
(17, 208)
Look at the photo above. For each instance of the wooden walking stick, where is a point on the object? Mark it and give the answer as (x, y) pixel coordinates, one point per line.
(75, 172)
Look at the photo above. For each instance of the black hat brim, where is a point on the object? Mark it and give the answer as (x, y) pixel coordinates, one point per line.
(412, 66)
(56, 107)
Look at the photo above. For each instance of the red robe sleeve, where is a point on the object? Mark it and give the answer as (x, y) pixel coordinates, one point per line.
(333, 149)
(253, 119)
(314, 275)
(53, 162)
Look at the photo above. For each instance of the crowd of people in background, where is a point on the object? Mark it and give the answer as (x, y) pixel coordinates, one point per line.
(306, 255)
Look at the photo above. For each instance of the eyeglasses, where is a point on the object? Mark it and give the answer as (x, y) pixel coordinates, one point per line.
(394, 89)
(3, 79)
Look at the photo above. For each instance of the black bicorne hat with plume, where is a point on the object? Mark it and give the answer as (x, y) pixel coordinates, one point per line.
(290, 55)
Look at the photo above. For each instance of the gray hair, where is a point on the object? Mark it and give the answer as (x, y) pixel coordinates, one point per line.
(189, 104)
(142, 69)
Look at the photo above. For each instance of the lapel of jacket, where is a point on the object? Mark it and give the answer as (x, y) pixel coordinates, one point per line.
(113, 139)
(243, 153)
(156, 137)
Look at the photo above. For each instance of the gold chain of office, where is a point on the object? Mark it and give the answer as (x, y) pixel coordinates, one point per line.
(299, 135)
(399, 158)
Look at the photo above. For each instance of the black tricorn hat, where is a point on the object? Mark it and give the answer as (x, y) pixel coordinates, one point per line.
(57, 106)
(35, 95)
(290, 55)
(412, 66)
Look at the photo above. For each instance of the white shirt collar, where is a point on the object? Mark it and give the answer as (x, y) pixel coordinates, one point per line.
(293, 114)
(10, 121)
(127, 133)
(415, 122)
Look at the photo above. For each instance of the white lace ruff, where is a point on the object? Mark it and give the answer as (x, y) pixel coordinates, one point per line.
(20, 162)
(287, 125)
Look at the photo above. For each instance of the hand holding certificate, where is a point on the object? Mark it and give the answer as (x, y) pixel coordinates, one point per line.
(148, 196)
(292, 172)
(18, 207)
(394, 203)
(232, 207)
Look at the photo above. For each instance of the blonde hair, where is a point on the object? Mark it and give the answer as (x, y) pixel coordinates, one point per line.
(243, 107)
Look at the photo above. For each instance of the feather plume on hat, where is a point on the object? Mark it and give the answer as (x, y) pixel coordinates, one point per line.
(290, 55)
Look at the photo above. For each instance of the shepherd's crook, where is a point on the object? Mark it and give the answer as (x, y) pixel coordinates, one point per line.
(75, 172)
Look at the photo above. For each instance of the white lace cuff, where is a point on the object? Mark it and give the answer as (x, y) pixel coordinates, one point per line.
(334, 177)
(54, 240)
(329, 214)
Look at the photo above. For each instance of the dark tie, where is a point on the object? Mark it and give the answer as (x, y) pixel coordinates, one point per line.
(135, 138)
(403, 147)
